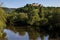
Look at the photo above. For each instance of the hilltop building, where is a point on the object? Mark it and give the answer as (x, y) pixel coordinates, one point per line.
(36, 4)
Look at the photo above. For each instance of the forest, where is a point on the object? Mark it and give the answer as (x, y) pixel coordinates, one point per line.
(45, 20)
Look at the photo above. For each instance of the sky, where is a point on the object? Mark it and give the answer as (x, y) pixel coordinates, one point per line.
(21, 3)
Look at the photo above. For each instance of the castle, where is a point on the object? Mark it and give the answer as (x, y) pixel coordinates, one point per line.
(36, 4)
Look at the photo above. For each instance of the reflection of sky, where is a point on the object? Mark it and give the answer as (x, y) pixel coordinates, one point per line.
(46, 37)
(15, 36)
(20, 3)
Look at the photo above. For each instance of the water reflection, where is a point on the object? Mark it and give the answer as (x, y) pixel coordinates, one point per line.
(15, 36)
(3, 36)
(21, 33)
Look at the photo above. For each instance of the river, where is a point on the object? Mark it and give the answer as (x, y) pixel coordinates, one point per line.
(21, 33)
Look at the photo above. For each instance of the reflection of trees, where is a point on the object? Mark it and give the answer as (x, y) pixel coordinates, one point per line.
(2, 34)
(42, 36)
(3, 37)
(33, 34)
(20, 30)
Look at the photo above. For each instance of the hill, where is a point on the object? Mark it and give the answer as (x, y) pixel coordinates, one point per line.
(8, 9)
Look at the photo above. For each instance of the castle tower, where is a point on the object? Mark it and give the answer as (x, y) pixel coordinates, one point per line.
(35, 4)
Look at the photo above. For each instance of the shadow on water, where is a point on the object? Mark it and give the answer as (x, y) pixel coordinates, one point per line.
(22, 33)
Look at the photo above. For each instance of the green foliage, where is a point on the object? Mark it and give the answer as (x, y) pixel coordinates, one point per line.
(46, 18)
(23, 16)
(2, 18)
(11, 18)
(2, 21)
(34, 17)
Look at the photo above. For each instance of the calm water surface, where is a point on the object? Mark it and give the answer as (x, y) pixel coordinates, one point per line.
(14, 33)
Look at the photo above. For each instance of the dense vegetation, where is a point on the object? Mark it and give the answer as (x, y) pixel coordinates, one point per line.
(45, 20)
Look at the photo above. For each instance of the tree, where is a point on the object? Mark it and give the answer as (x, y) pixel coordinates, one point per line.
(23, 16)
(34, 17)
(2, 20)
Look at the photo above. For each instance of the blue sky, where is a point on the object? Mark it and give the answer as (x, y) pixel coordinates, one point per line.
(21, 3)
